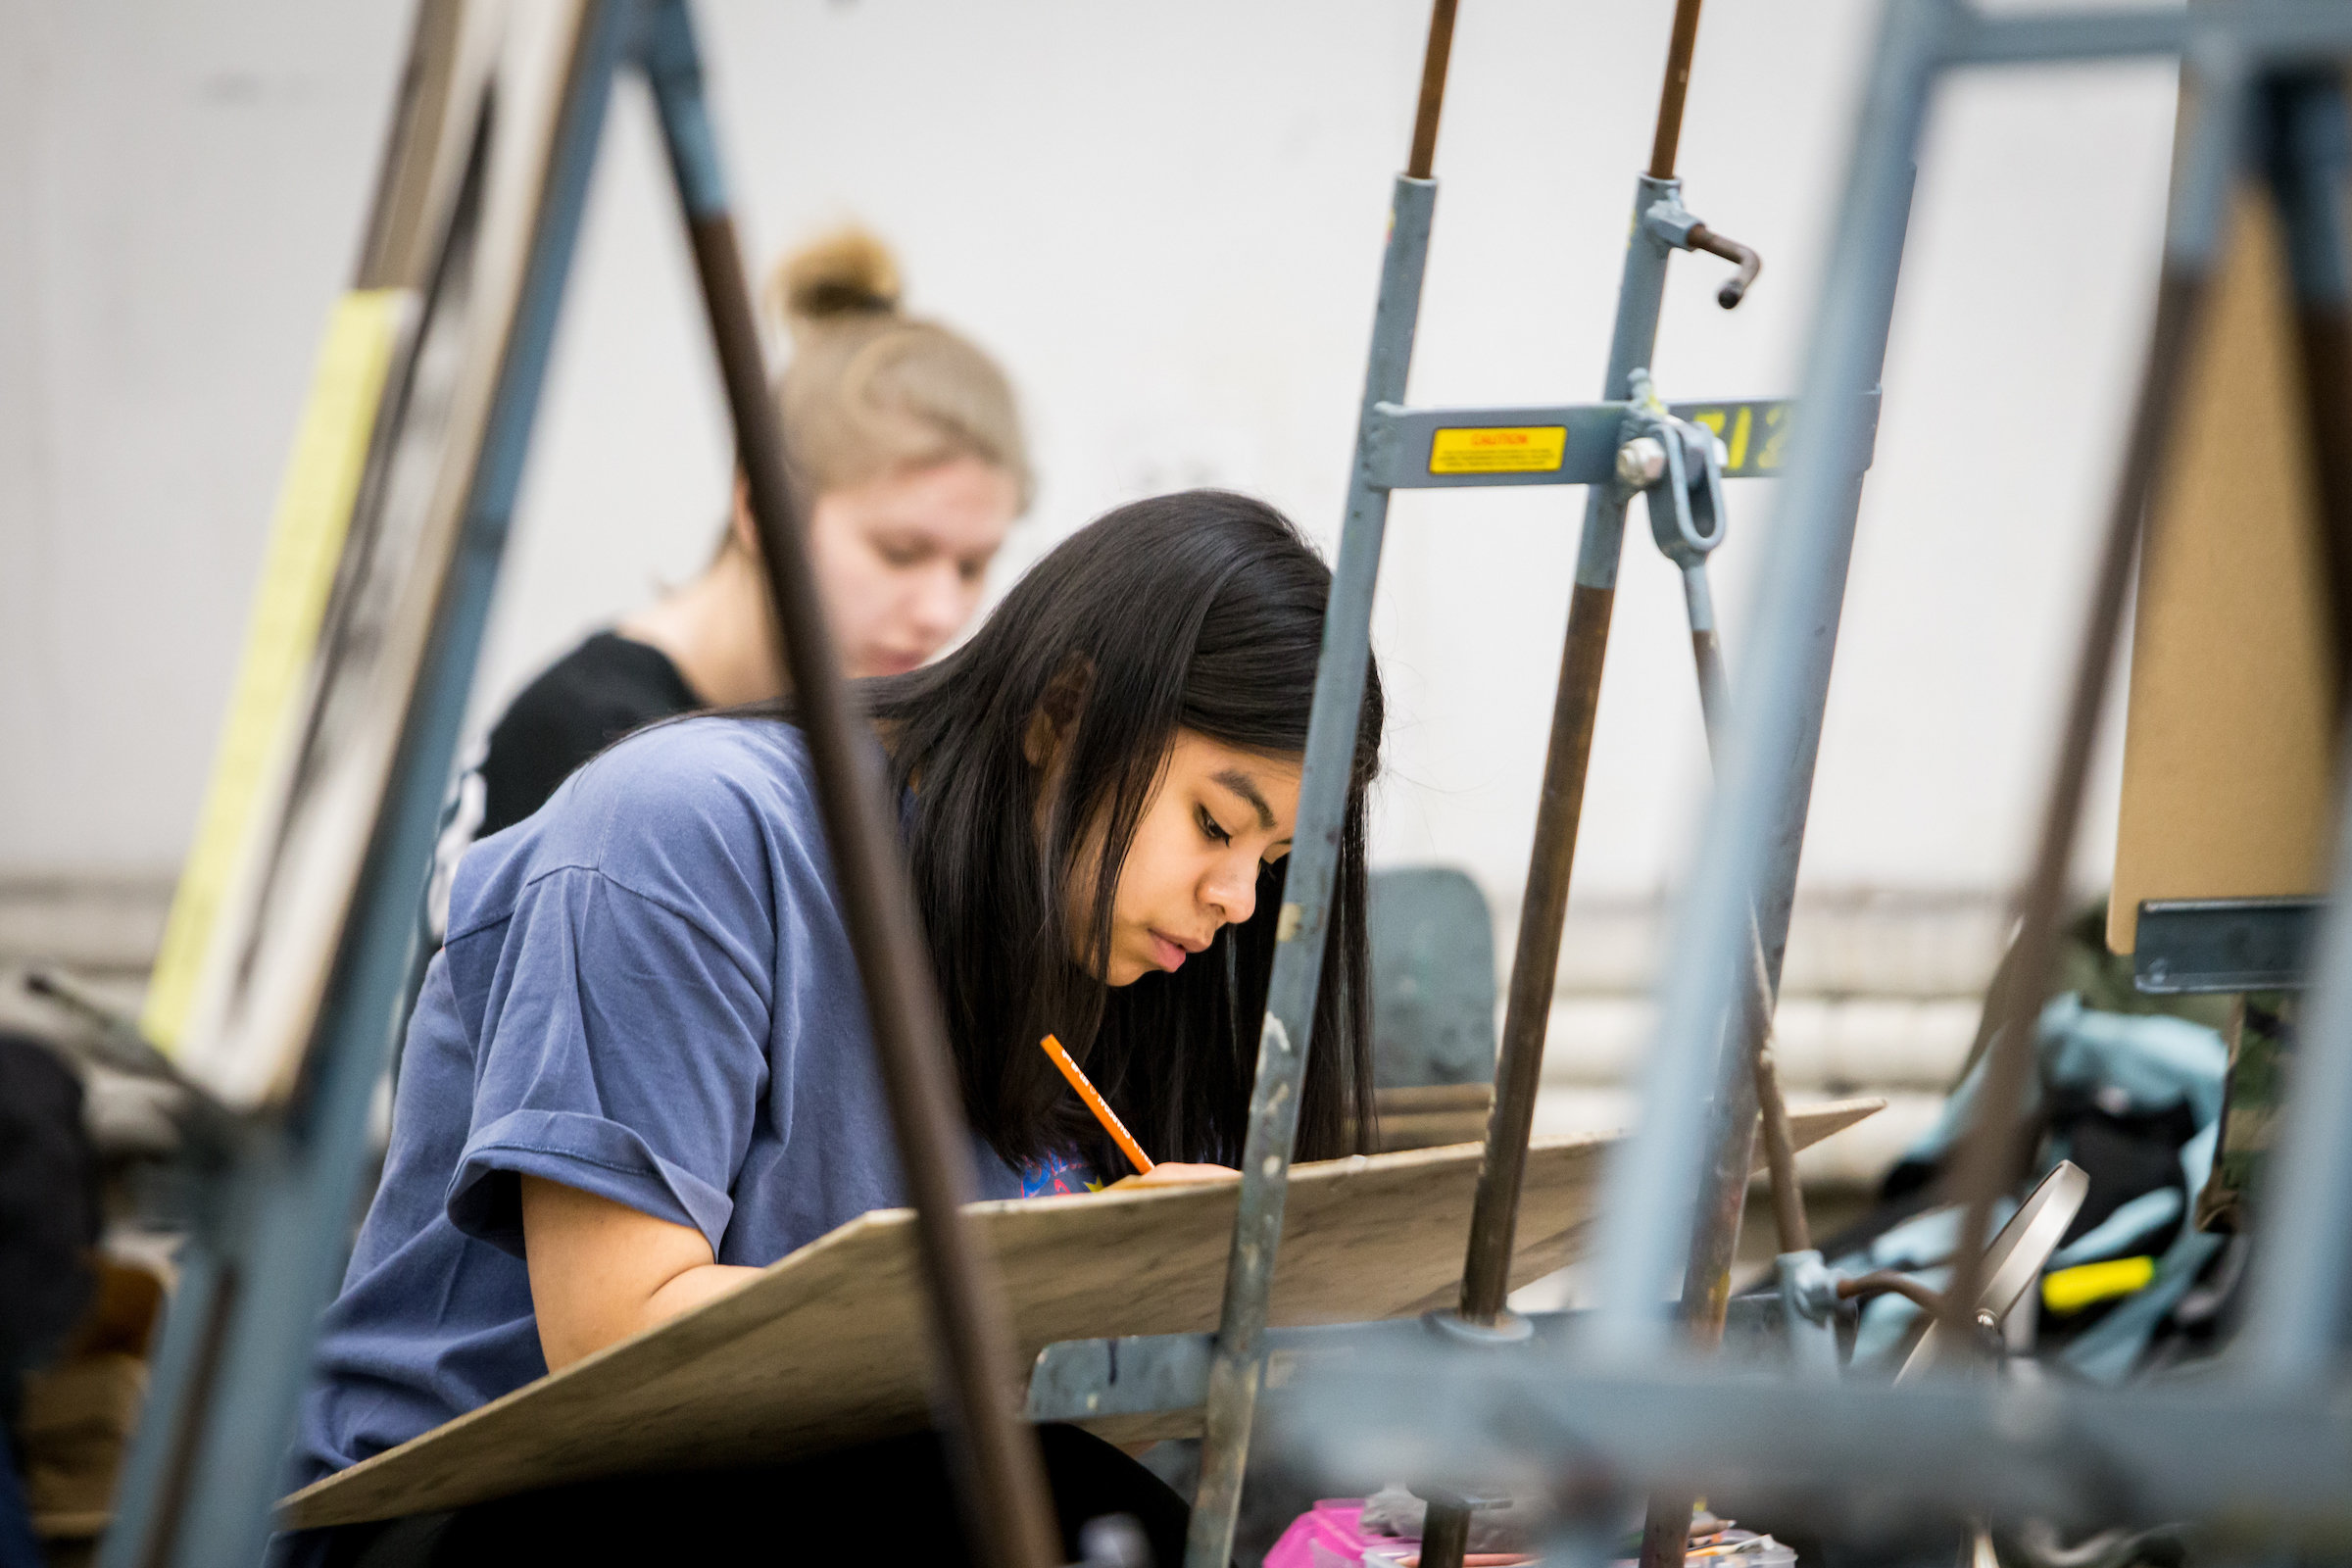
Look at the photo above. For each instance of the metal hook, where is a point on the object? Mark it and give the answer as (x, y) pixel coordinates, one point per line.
(1734, 288)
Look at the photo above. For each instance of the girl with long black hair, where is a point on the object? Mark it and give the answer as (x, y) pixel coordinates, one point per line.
(640, 1070)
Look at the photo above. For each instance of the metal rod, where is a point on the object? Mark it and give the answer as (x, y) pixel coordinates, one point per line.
(1758, 806)
(1543, 909)
(1287, 1035)
(1559, 809)
(1752, 1111)
(215, 1287)
(1773, 1129)
(2255, 32)
(1881, 1281)
(1444, 1531)
(1527, 1014)
(994, 1455)
(2267, 1467)
(1535, 965)
(2301, 1282)
(1706, 1296)
(1989, 1159)
(1433, 59)
(1734, 288)
(1777, 1136)
(1680, 46)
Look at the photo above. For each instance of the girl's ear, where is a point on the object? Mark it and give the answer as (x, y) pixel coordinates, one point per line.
(1039, 741)
(1050, 722)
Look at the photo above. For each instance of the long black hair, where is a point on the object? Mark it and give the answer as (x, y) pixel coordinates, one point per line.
(1200, 611)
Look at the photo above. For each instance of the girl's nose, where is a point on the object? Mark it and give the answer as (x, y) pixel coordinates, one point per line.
(1234, 895)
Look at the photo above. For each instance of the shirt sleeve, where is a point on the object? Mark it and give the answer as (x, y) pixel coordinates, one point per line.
(623, 1052)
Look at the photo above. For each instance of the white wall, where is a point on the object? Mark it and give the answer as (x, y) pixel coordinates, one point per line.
(181, 189)
(1167, 221)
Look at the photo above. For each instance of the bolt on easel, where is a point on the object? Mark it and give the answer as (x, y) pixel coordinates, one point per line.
(1631, 443)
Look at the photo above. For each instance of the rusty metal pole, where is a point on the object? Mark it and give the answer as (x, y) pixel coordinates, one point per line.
(1667, 140)
(1987, 1160)
(1753, 1112)
(992, 1453)
(1559, 811)
(1567, 758)
(1773, 1129)
(1989, 1157)
(1436, 56)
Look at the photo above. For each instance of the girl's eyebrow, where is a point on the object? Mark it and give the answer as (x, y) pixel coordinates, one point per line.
(1243, 785)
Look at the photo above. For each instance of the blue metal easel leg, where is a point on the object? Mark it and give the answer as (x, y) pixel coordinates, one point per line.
(274, 1210)
(1748, 856)
(1288, 1031)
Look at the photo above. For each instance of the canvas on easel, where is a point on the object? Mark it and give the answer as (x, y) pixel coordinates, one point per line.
(2229, 736)
(375, 510)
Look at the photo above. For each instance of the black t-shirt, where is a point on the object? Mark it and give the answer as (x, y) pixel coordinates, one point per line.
(583, 703)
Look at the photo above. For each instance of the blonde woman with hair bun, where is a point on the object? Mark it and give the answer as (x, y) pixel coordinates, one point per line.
(907, 442)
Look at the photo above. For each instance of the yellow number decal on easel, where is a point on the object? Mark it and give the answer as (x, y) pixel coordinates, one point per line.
(1737, 457)
(1776, 433)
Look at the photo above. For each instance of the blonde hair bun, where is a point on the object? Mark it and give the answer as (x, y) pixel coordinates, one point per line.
(845, 273)
(867, 392)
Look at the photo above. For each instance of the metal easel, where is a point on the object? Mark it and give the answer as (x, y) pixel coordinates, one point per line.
(2258, 1452)
(268, 1200)
(1399, 447)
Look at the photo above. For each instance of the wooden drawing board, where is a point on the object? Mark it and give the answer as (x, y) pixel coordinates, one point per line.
(2229, 736)
(827, 1347)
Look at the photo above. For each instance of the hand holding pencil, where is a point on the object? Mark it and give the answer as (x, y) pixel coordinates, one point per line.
(1149, 1172)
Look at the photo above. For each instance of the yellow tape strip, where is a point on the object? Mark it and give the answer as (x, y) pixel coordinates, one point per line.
(305, 540)
(2071, 1290)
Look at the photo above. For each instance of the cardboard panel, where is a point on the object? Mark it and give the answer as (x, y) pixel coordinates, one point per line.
(2229, 740)
(827, 1347)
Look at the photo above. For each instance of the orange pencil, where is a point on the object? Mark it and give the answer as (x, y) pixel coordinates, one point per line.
(1094, 1102)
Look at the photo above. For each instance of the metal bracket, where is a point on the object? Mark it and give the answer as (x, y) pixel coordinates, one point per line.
(1677, 465)
(1572, 443)
(1809, 1308)
(1150, 1374)
(1670, 220)
(1081, 1380)
(2188, 946)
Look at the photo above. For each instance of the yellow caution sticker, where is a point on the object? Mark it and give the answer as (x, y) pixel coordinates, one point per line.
(1498, 449)
(314, 501)
(2071, 1290)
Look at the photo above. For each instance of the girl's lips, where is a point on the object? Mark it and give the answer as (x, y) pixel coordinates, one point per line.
(1168, 954)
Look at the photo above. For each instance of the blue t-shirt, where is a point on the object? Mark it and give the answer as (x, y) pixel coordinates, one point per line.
(646, 994)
